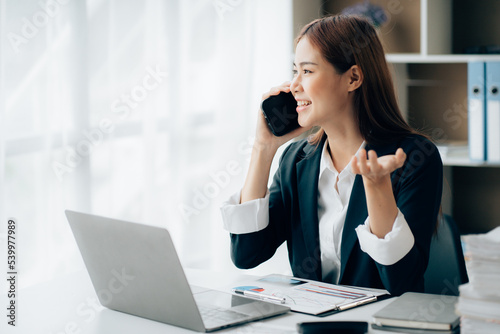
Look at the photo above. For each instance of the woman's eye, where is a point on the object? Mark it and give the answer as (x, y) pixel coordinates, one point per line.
(295, 72)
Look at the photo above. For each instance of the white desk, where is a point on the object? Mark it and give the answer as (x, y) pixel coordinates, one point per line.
(69, 305)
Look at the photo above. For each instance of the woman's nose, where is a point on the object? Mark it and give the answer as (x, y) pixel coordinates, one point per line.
(294, 86)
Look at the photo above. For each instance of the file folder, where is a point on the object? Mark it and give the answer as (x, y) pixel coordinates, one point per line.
(476, 110)
(493, 111)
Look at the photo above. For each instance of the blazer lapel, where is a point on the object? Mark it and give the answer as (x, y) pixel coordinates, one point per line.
(307, 188)
(356, 215)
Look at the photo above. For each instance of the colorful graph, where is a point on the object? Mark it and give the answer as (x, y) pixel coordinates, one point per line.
(248, 288)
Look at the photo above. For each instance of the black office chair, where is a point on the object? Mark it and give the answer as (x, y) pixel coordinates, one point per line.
(446, 269)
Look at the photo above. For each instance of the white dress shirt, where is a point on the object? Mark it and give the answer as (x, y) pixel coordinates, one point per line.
(334, 191)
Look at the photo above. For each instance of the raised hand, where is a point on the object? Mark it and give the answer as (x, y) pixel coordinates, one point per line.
(374, 169)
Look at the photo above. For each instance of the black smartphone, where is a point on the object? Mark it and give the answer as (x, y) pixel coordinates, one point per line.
(341, 327)
(280, 112)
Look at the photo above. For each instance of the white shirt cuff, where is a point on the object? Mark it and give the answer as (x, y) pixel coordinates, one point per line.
(251, 216)
(393, 247)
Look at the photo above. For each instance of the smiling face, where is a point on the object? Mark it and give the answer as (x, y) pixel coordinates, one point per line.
(322, 94)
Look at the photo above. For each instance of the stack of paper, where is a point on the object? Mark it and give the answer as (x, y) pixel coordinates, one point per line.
(479, 300)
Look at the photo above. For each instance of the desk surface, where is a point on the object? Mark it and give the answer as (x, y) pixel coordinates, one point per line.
(69, 305)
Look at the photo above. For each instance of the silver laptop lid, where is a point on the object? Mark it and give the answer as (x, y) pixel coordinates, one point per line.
(135, 269)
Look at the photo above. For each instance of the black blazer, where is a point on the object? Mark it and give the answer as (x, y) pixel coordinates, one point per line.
(293, 217)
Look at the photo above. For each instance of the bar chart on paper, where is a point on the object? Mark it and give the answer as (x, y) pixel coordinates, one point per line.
(309, 297)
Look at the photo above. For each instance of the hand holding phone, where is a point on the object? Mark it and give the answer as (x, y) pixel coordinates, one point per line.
(280, 113)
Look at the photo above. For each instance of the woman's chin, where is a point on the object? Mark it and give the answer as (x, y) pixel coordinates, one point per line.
(303, 121)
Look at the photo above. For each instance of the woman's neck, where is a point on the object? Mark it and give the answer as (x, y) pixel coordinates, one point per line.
(343, 142)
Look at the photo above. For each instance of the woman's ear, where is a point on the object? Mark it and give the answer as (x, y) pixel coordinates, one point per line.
(355, 78)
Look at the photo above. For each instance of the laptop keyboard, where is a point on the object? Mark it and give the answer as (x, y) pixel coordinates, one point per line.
(220, 315)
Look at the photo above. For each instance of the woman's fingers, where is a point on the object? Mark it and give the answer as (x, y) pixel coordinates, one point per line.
(362, 162)
(284, 87)
(354, 165)
(400, 157)
(373, 161)
(374, 166)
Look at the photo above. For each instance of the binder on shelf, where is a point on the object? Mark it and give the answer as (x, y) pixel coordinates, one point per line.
(493, 111)
(476, 110)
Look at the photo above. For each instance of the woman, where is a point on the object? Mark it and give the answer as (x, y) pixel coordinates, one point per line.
(358, 202)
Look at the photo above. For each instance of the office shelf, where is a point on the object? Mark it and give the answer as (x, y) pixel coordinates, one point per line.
(414, 58)
(466, 162)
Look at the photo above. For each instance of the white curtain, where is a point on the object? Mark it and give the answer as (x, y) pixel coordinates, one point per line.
(139, 110)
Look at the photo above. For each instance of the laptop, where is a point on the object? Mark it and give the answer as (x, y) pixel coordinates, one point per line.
(134, 269)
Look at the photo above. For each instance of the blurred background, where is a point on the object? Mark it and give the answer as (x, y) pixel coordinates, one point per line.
(139, 110)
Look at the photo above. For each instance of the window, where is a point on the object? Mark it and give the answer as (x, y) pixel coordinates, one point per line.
(140, 110)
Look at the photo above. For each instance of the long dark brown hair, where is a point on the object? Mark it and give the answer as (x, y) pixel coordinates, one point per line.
(345, 41)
